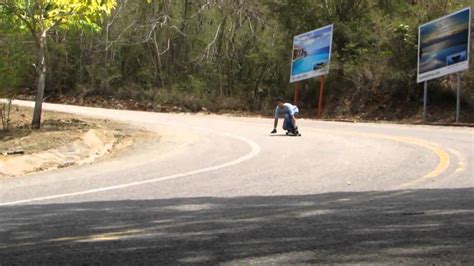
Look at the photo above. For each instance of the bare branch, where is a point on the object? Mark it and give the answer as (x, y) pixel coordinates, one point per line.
(209, 46)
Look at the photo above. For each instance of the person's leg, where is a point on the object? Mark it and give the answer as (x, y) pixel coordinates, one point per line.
(287, 123)
(295, 126)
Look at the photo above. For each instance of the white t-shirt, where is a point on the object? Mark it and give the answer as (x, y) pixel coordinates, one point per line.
(287, 108)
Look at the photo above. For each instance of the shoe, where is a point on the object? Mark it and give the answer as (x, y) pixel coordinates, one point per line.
(295, 131)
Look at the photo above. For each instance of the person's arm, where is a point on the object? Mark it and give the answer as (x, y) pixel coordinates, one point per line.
(293, 119)
(275, 123)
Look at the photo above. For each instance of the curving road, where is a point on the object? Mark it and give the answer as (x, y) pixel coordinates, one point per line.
(221, 190)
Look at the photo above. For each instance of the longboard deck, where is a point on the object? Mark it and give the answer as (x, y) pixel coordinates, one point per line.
(293, 135)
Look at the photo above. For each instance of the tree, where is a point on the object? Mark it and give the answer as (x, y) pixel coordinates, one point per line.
(39, 17)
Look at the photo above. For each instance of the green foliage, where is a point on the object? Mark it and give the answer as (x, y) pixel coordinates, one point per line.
(14, 58)
(191, 84)
(39, 16)
(9, 78)
(209, 51)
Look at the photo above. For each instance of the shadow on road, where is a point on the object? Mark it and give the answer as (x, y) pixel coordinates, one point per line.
(369, 227)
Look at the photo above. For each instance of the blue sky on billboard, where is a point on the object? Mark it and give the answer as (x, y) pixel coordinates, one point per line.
(314, 41)
(444, 45)
(445, 27)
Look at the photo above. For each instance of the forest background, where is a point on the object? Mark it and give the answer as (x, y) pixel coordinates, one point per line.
(234, 55)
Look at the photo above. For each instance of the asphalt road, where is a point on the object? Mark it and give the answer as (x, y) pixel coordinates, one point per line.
(222, 190)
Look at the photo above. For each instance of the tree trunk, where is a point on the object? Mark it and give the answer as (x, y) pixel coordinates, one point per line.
(183, 46)
(41, 71)
(158, 56)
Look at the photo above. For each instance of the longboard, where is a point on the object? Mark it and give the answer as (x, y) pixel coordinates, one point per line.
(293, 135)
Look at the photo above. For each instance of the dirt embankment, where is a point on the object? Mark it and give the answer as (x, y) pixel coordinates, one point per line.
(64, 140)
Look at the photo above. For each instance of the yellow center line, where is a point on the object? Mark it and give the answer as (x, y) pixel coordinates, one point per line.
(100, 237)
(461, 161)
(84, 238)
(443, 157)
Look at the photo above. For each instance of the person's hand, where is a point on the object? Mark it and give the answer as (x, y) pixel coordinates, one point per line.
(273, 131)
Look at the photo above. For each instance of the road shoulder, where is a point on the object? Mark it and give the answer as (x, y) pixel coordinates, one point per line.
(64, 140)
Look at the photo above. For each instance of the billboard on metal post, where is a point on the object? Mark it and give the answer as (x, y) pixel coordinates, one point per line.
(443, 45)
(311, 54)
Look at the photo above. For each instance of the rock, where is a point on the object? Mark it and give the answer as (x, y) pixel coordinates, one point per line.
(18, 151)
(204, 109)
(66, 164)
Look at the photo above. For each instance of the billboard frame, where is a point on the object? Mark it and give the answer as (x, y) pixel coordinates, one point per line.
(313, 73)
(430, 77)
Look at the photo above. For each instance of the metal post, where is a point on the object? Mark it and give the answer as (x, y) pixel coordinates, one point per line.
(295, 100)
(321, 90)
(425, 98)
(458, 101)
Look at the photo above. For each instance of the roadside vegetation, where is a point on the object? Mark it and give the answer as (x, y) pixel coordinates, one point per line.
(201, 55)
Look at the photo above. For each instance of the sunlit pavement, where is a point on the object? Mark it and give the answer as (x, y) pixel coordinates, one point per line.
(222, 190)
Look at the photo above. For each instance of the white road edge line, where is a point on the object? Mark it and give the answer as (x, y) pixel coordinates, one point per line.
(254, 151)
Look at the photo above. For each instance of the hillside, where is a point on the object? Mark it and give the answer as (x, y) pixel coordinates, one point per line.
(235, 56)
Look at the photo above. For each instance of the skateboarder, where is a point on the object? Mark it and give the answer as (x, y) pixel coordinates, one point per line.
(290, 111)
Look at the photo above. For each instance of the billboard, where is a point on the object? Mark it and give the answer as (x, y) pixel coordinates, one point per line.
(311, 54)
(443, 45)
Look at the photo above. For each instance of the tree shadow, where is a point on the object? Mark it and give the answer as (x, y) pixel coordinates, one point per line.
(419, 226)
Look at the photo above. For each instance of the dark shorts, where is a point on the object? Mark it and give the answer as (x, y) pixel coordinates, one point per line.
(288, 123)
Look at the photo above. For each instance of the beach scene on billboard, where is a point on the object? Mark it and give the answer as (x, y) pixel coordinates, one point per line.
(444, 46)
(311, 54)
